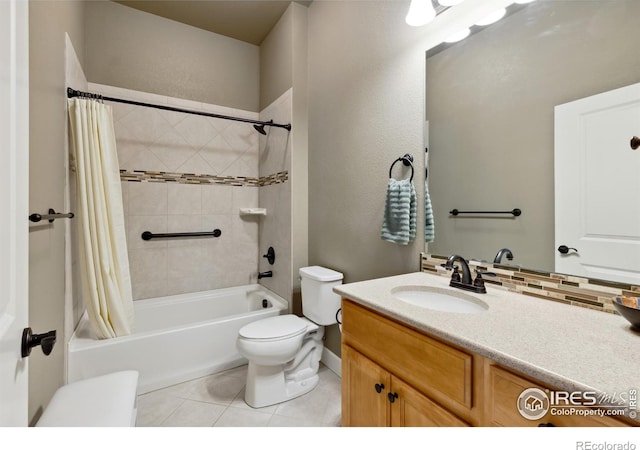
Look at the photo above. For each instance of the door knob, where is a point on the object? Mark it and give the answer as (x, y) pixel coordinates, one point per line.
(564, 249)
(30, 340)
(635, 143)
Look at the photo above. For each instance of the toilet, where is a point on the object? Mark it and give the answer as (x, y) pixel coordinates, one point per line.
(284, 351)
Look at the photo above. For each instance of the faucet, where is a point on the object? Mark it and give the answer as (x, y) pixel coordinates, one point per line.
(465, 281)
(466, 273)
(267, 274)
(503, 252)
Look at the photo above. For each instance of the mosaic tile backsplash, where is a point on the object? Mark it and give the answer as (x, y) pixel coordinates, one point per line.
(193, 178)
(568, 289)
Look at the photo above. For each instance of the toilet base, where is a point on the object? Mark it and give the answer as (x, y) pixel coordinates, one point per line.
(268, 385)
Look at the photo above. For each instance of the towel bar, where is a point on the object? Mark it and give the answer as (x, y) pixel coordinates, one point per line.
(516, 212)
(35, 217)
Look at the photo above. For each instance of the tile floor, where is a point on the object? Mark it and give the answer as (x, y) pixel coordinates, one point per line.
(218, 400)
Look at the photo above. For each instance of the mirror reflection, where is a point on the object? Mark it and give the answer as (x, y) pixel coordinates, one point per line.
(490, 103)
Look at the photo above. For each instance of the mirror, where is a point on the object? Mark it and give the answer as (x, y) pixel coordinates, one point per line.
(490, 109)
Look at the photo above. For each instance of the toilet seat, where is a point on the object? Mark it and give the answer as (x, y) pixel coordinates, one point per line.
(274, 328)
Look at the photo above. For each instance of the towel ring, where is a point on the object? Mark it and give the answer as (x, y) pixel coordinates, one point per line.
(407, 160)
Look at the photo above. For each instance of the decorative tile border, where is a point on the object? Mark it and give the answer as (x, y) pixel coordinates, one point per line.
(568, 289)
(191, 178)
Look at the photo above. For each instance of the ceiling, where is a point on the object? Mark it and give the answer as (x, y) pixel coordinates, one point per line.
(248, 21)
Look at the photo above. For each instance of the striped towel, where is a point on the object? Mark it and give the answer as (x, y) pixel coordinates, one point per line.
(399, 225)
(429, 223)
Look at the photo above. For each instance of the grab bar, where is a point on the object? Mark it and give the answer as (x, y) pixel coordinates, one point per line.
(516, 212)
(147, 235)
(35, 217)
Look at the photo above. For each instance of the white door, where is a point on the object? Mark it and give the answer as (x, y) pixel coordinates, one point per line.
(14, 154)
(597, 186)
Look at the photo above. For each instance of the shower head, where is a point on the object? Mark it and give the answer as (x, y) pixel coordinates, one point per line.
(260, 127)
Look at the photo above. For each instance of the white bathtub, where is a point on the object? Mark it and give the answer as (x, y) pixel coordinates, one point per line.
(176, 338)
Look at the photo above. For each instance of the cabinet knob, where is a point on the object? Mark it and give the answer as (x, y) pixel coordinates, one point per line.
(379, 387)
(392, 396)
(546, 424)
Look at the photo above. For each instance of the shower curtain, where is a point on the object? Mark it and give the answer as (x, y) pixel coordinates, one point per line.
(104, 262)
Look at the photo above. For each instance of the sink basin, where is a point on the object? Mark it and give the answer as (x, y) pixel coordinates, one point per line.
(439, 299)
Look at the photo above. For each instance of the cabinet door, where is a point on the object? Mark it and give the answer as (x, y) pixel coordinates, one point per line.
(362, 404)
(504, 389)
(412, 409)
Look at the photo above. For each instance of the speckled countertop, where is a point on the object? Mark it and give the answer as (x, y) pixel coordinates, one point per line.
(564, 346)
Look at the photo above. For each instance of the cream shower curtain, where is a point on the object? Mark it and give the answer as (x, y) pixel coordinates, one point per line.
(104, 262)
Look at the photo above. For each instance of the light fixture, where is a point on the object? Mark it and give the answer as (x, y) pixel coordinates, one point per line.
(451, 2)
(493, 17)
(421, 12)
(460, 35)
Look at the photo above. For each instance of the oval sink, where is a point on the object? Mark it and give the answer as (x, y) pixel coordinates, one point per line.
(439, 299)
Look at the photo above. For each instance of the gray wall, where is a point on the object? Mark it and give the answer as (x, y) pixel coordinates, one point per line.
(490, 103)
(136, 50)
(366, 108)
(48, 22)
(276, 61)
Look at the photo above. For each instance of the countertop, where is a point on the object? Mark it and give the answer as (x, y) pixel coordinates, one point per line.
(568, 347)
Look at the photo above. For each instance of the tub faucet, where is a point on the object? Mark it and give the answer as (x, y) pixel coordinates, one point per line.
(503, 252)
(267, 274)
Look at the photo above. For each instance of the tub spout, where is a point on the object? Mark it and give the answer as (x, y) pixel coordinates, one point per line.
(267, 274)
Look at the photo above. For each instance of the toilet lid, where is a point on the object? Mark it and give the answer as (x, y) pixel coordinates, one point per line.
(277, 327)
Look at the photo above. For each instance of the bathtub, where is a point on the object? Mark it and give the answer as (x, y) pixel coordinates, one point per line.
(176, 338)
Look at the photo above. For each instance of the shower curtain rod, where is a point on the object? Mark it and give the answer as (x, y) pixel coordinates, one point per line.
(71, 93)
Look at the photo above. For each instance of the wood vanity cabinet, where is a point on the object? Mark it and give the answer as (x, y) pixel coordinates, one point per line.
(394, 375)
(375, 397)
(422, 382)
(503, 389)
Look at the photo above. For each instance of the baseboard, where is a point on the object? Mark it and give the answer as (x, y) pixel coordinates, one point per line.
(332, 361)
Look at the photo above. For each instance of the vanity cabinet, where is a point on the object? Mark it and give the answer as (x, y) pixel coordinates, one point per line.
(374, 397)
(394, 375)
(503, 390)
(430, 383)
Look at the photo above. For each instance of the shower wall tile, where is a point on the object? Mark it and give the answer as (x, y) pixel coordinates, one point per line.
(148, 199)
(243, 197)
(219, 199)
(275, 231)
(156, 149)
(186, 224)
(275, 227)
(184, 199)
(148, 270)
(136, 225)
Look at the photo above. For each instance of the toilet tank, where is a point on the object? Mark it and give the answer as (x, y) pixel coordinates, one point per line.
(319, 303)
